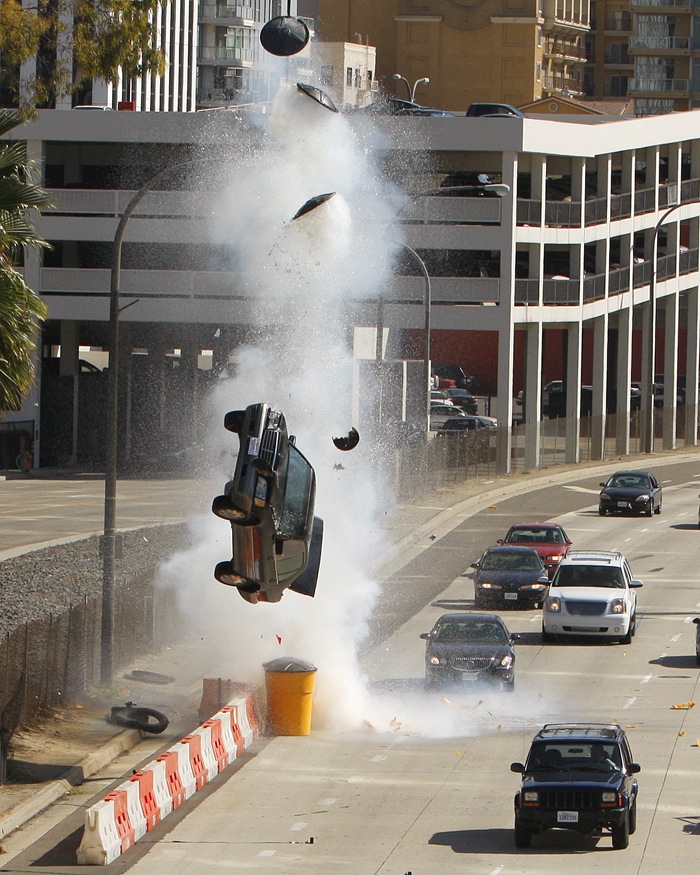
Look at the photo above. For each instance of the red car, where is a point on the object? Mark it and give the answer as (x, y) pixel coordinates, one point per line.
(549, 539)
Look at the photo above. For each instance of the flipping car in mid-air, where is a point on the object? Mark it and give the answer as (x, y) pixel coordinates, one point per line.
(270, 505)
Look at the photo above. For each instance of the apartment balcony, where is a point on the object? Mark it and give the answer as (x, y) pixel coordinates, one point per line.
(564, 50)
(655, 7)
(562, 84)
(559, 20)
(618, 26)
(231, 15)
(641, 46)
(676, 88)
(228, 56)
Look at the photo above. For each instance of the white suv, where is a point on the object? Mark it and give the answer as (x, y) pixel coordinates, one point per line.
(594, 594)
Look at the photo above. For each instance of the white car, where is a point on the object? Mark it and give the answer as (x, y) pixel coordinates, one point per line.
(592, 594)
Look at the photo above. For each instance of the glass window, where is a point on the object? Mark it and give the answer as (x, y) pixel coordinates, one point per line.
(299, 477)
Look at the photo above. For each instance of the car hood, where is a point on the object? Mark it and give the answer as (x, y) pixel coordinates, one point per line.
(624, 493)
(547, 777)
(463, 648)
(587, 593)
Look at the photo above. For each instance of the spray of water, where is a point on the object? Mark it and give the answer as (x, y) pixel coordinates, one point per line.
(301, 275)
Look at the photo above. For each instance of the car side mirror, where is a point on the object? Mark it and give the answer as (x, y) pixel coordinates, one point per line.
(425, 636)
(601, 484)
(517, 767)
(516, 636)
(474, 565)
(635, 584)
(499, 541)
(634, 768)
(696, 620)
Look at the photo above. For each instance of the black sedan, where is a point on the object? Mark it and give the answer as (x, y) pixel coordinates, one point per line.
(270, 505)
(470, 648)
(630, 492)
(510, 575)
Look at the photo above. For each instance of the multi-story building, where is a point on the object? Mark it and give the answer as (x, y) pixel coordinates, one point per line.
(554, 280)
(609, 65)
(506, 51)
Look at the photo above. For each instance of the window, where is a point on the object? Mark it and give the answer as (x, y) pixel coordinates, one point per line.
(358, 78)
(348, 77)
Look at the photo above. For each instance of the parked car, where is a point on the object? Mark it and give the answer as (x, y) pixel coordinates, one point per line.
(592, 594)
(440, 413)
(270, 505)
(491, 109)
(463, 398)
(549, 539)
(466, 424)
(510, 575)
(470, 648)
(630, 492)
(440, 396)
(452, 372)
(580, 777)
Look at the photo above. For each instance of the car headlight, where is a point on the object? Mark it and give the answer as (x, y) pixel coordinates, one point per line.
(507, 661)
(554, 558)
(553, 605)
(487, 585)
(531, 797)
(617, 606)
(436, 660)
(608, 797)
(643, 498)
(534, 586)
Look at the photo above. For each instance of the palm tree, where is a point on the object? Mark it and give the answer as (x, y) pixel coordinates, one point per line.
(20, 307)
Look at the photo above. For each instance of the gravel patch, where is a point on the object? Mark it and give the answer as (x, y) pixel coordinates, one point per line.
(48, 581)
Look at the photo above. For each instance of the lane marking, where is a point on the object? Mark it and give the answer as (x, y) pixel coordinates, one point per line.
(379, 758)
(629, 703)
(584, 489)
(646, 679)
(675, 638)
(297, 827)
(266, 853)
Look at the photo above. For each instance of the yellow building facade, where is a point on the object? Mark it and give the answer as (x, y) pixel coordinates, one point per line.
(503, 51)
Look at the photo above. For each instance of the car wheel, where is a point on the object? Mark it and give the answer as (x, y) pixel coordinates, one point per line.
(621, 834)
(697, 659)
(650, 509)
(225, 574)
(627, 639)
(225, 509)
(602, 511)
(523, 836)
(633, 818)
(658, 509)
(508, 686)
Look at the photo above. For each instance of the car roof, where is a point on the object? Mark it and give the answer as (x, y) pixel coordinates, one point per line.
(469, 617)
(636, 473)
(580, 731)
(604, 557)
(511, 548)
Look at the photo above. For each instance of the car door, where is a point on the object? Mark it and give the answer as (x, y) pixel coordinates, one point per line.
(656, 490)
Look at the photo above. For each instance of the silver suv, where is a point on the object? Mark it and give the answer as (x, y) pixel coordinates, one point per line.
(593, 594)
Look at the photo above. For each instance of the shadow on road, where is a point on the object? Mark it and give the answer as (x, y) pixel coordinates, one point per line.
(500, 841)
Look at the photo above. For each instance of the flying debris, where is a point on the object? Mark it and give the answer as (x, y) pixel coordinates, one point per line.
(312, 203)
(284, 36)
(318, 95)
(349, 442)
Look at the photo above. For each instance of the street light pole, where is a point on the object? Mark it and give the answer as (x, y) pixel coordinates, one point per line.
(651, 358)
(411, 91)
(109, 539)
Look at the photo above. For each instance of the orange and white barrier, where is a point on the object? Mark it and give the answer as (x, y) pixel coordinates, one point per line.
(125, 814)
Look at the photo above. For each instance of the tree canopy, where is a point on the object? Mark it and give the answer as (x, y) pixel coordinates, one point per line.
(75, 41)
(20, 307)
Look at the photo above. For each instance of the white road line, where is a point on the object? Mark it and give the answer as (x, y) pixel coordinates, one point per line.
(675, 638)
(583, 489)
(297, 827)
(378, 759)
(327, 801)
(629, 703)
(646, 679)
(269, 853)
(496, 870)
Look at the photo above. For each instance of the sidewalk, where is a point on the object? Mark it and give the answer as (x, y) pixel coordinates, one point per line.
(76, 742)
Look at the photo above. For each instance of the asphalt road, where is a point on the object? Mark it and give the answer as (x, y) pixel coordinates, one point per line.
(425, 785)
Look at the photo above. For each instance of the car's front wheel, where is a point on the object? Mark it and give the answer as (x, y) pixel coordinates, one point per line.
(650, 508)
(633, 818)
(621, 834)
(658, 508)
(225, 509)
(602, 511)
(225, 574)
(508, 686)
(523, 836)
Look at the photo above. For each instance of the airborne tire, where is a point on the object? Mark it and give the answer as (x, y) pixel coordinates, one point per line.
(130, 716)
(233, 421)
(225, 509)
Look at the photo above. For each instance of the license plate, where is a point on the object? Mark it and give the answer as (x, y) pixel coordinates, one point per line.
(510, 596)
(469, 677)
(622, 504)
(567, 816)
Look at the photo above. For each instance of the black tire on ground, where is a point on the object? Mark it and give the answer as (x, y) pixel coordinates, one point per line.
(633, 818)
(523, 836)
(233, 421)
(601, 511)
(621, 834)
(547, 637)
(650, 509)
(658, 509)
(697, 659)
(132, 717)
(627, 639)
(225, 509)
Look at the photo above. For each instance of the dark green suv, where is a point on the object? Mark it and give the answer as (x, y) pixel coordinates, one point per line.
(578, 776)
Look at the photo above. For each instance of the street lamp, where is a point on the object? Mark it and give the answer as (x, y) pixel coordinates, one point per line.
(110, 504)
(651, 360)
(411, 91)
(427, 303)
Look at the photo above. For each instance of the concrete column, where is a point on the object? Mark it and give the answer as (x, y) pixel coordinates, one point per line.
(646, 352)
(573, 396)
(68, 367)
(670, 408)
(600, 374)
(624, 377)
(504, 402)
(533, 395)
(692, 369)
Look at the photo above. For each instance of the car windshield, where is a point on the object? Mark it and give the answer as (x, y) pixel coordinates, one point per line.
(486, 632)
(629, 481)
(534, 536)
(574, 757)
(506, 561)
(299, 486)
(589, 575)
